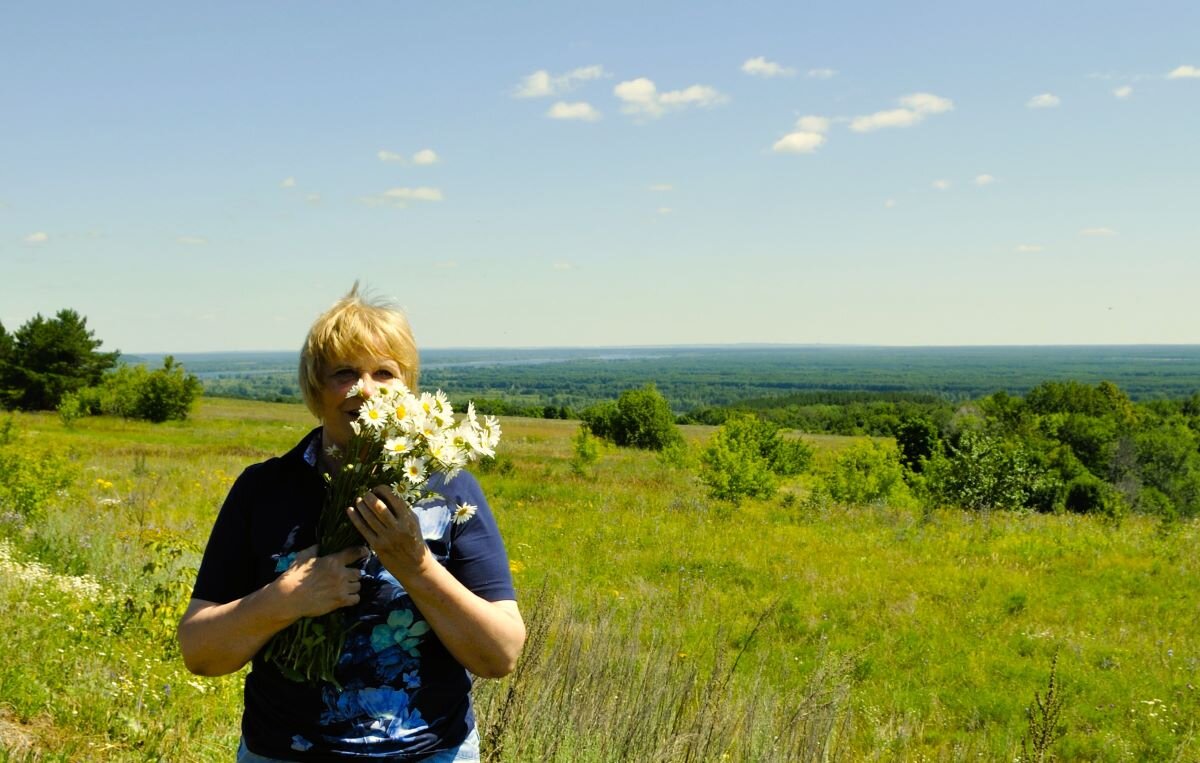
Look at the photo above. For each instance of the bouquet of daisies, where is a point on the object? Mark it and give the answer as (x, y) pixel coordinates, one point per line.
(399, 439)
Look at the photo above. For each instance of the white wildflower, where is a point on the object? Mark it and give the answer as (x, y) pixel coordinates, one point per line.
(463, 512)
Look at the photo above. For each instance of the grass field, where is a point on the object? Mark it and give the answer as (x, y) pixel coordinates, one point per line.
(663, 626)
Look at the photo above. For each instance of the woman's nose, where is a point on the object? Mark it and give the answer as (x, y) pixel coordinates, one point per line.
(367, 385)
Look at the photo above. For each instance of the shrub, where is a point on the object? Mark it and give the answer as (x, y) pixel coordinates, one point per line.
(640, 418)
(1087, 494)
(29, 476)
(587, 452)
(865, 473)
(133, 392)
(982, 471)
(744, 457)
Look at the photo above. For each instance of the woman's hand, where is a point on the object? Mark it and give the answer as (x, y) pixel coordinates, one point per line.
(217, 639)
(314, 585)
(391, 529)
(484, 636)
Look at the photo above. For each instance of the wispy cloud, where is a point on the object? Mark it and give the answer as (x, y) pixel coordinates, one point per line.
(889, 204)
(641, 98)
(1028, 248)
(941, 184)
(313, 198)
(761, 67)
(914, 109)
(1097, 232)
(807, 137)
(192, 240)
(1123, 92)
(287, 183)
(390, 156)
(984, 179)
(665, 210)
(543, 84)
(40, 237)
(580, 111)
(425, 156)
(1184, 72)
(821, 73)
(1043, 101)
(562, 266)
(400, 197)
(661, 187)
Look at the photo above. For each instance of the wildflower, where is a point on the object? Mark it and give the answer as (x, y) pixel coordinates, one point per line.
(356, 390)
(333, 451)
(373, 414)
(463, 512)
(414, 469)
(397, 446)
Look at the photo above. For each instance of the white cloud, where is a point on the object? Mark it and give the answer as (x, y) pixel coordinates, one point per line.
(983, 179)
(313, 198)
(1124, 91)
(1184, 72)
(580, 111)
(821, 73)
(665, 210)
(808, 136)
(1043, 101)
(927, 103)
(422, 193)
(890, 204)
(562, 266)
(1028, 248)
(542, 84)
(446, 265)
(1097, 232)
(661, 187)
(399, 197)
(425, 156)
(640, 97)
(39, 237)
(941, 185)
(288, 183)
(916, 107)
(389, 156)
(761, 67)
(813, 124)
(192, 240)
(799, 142)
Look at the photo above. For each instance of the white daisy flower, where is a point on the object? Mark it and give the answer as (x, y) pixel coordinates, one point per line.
(463, 512)
(373, 413)
(397, 446)
(414, 469)
(333, 451)
(356, 390)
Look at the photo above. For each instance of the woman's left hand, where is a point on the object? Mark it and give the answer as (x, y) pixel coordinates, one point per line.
(391, 529)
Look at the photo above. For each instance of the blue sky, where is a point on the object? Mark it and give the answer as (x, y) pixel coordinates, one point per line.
(198, 177)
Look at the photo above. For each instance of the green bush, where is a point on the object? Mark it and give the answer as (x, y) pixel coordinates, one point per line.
(133, 392)
(640, 418)
(982, 471)
(745, 455)
(30, 476)
(587, 452)
(869, 472)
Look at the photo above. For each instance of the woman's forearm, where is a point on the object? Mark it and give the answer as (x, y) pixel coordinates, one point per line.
(217, 639)
(485, 637)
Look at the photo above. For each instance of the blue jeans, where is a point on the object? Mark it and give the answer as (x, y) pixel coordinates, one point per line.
(467, 752)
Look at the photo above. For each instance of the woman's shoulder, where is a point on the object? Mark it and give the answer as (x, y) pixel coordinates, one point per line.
(297, 460)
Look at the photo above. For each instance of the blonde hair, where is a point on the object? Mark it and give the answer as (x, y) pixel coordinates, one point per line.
(356, 324)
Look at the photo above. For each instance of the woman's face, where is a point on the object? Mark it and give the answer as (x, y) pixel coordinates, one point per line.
(337, 410)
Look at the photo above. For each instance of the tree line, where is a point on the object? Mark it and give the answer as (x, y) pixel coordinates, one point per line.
(56, 364)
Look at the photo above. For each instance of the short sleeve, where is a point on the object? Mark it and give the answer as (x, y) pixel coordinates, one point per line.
(477, 555)
(227, 569)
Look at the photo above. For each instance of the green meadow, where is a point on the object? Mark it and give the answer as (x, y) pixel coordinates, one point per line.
(664, 626)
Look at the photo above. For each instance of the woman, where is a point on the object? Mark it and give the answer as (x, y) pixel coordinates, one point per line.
(425, 613)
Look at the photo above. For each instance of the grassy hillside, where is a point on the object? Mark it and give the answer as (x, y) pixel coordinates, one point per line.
(664, 626)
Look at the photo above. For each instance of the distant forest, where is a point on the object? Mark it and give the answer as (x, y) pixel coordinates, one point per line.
(700, 382)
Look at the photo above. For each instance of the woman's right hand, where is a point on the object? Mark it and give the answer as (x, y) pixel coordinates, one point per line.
(314, 585)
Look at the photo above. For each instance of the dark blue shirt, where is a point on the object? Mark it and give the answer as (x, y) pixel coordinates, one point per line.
(404, 696)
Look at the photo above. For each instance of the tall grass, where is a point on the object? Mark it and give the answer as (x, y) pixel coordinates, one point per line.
(663, 626)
